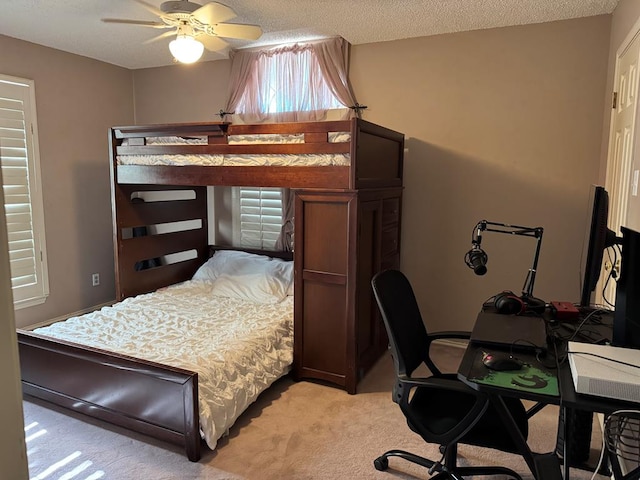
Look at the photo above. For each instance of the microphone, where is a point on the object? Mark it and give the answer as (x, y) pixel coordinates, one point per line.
(476, 258)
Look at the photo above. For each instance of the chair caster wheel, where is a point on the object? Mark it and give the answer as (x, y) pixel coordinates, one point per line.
(381, 463)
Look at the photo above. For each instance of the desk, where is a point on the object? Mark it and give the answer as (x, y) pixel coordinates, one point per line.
(541, 465)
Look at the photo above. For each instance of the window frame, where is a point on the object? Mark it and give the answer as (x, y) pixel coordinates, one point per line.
(34, 293)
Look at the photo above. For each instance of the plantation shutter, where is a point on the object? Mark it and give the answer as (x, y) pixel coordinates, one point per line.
(22, 200)
(260, 216)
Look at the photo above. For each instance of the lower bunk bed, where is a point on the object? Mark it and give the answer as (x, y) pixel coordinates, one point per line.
(179, 364)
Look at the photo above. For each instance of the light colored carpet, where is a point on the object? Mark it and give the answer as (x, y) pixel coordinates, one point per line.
(300, 431)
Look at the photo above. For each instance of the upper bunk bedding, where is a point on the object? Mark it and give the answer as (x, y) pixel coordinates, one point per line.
(346, 154)
(233, 326)
(238, 159)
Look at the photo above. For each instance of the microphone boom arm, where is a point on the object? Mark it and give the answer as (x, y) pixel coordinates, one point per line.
(536, 232)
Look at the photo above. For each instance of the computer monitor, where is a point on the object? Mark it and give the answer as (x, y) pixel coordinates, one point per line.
(626, 319)
(598, 237)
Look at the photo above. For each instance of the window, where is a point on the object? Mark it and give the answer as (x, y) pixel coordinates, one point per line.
(20, 166)
(293, 82)
(257, 216)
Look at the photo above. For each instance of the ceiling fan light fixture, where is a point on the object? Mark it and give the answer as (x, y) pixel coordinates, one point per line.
(186, 49)
(193, 26)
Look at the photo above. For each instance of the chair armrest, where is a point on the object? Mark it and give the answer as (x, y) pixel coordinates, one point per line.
(463, 335)
(440, 384)
(451, 334)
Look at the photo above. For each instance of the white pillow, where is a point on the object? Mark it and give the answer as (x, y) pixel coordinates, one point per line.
(206, 271)
(229, 261)
(254, 287)
(247, 276)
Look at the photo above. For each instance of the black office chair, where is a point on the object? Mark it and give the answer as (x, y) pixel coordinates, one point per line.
(439, 408)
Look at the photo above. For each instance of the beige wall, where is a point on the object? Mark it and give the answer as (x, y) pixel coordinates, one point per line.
(625, 23)
(77, 99)
(503, 124)
(181, 93)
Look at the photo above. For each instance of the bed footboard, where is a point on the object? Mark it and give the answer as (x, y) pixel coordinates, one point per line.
(146, 397)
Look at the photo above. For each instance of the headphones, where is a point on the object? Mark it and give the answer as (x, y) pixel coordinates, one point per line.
(508, 303)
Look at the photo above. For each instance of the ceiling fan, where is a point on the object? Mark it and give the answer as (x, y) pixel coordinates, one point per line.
(194, 26)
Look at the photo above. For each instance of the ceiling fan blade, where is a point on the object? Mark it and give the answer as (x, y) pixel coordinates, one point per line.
(142, 23)
(213, 44)
(152, 8)
(236, 30)
(160, 37)
(213, 12)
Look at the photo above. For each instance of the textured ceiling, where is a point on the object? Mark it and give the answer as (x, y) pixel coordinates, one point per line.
(74, 25)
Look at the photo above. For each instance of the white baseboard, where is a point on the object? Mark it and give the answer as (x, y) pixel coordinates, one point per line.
(69, 315)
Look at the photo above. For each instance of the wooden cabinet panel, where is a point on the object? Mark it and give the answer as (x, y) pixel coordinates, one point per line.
(324, 334)
(367, 323)
(342, 240)
(390, 239)
(391, 211)
(325, 241)
(390, 261)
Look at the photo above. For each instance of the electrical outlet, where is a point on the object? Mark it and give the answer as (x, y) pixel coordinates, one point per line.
(95, 279)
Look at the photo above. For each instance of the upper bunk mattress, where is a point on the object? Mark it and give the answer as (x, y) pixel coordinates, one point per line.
(303, 160)
(238, 348)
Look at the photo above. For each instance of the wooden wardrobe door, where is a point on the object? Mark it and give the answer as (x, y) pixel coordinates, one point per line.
(325, 284)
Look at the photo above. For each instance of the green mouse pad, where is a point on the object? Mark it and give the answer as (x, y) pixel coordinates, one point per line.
(530, 378)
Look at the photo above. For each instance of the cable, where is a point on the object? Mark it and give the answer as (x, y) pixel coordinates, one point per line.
(589, 335)
(539, 351)
(584, 320)
(612, 274)
(593, 336)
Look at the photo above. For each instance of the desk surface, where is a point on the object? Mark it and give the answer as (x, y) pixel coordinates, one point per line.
(537, 381)
(553, 365)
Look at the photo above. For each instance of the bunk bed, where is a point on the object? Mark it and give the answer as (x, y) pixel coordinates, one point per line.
(347, 180)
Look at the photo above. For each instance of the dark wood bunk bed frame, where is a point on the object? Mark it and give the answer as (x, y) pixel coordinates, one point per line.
(347, 223)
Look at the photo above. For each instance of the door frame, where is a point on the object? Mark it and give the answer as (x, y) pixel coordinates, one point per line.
(617, 177)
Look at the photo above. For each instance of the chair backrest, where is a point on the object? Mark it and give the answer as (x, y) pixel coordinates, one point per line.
(407, 333)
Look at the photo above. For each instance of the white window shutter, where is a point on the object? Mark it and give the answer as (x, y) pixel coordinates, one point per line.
(260, 216)
(22, 192)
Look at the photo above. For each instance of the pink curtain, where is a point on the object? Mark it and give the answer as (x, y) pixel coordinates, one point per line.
(333, 59)
(242, 73)
(307, 78)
